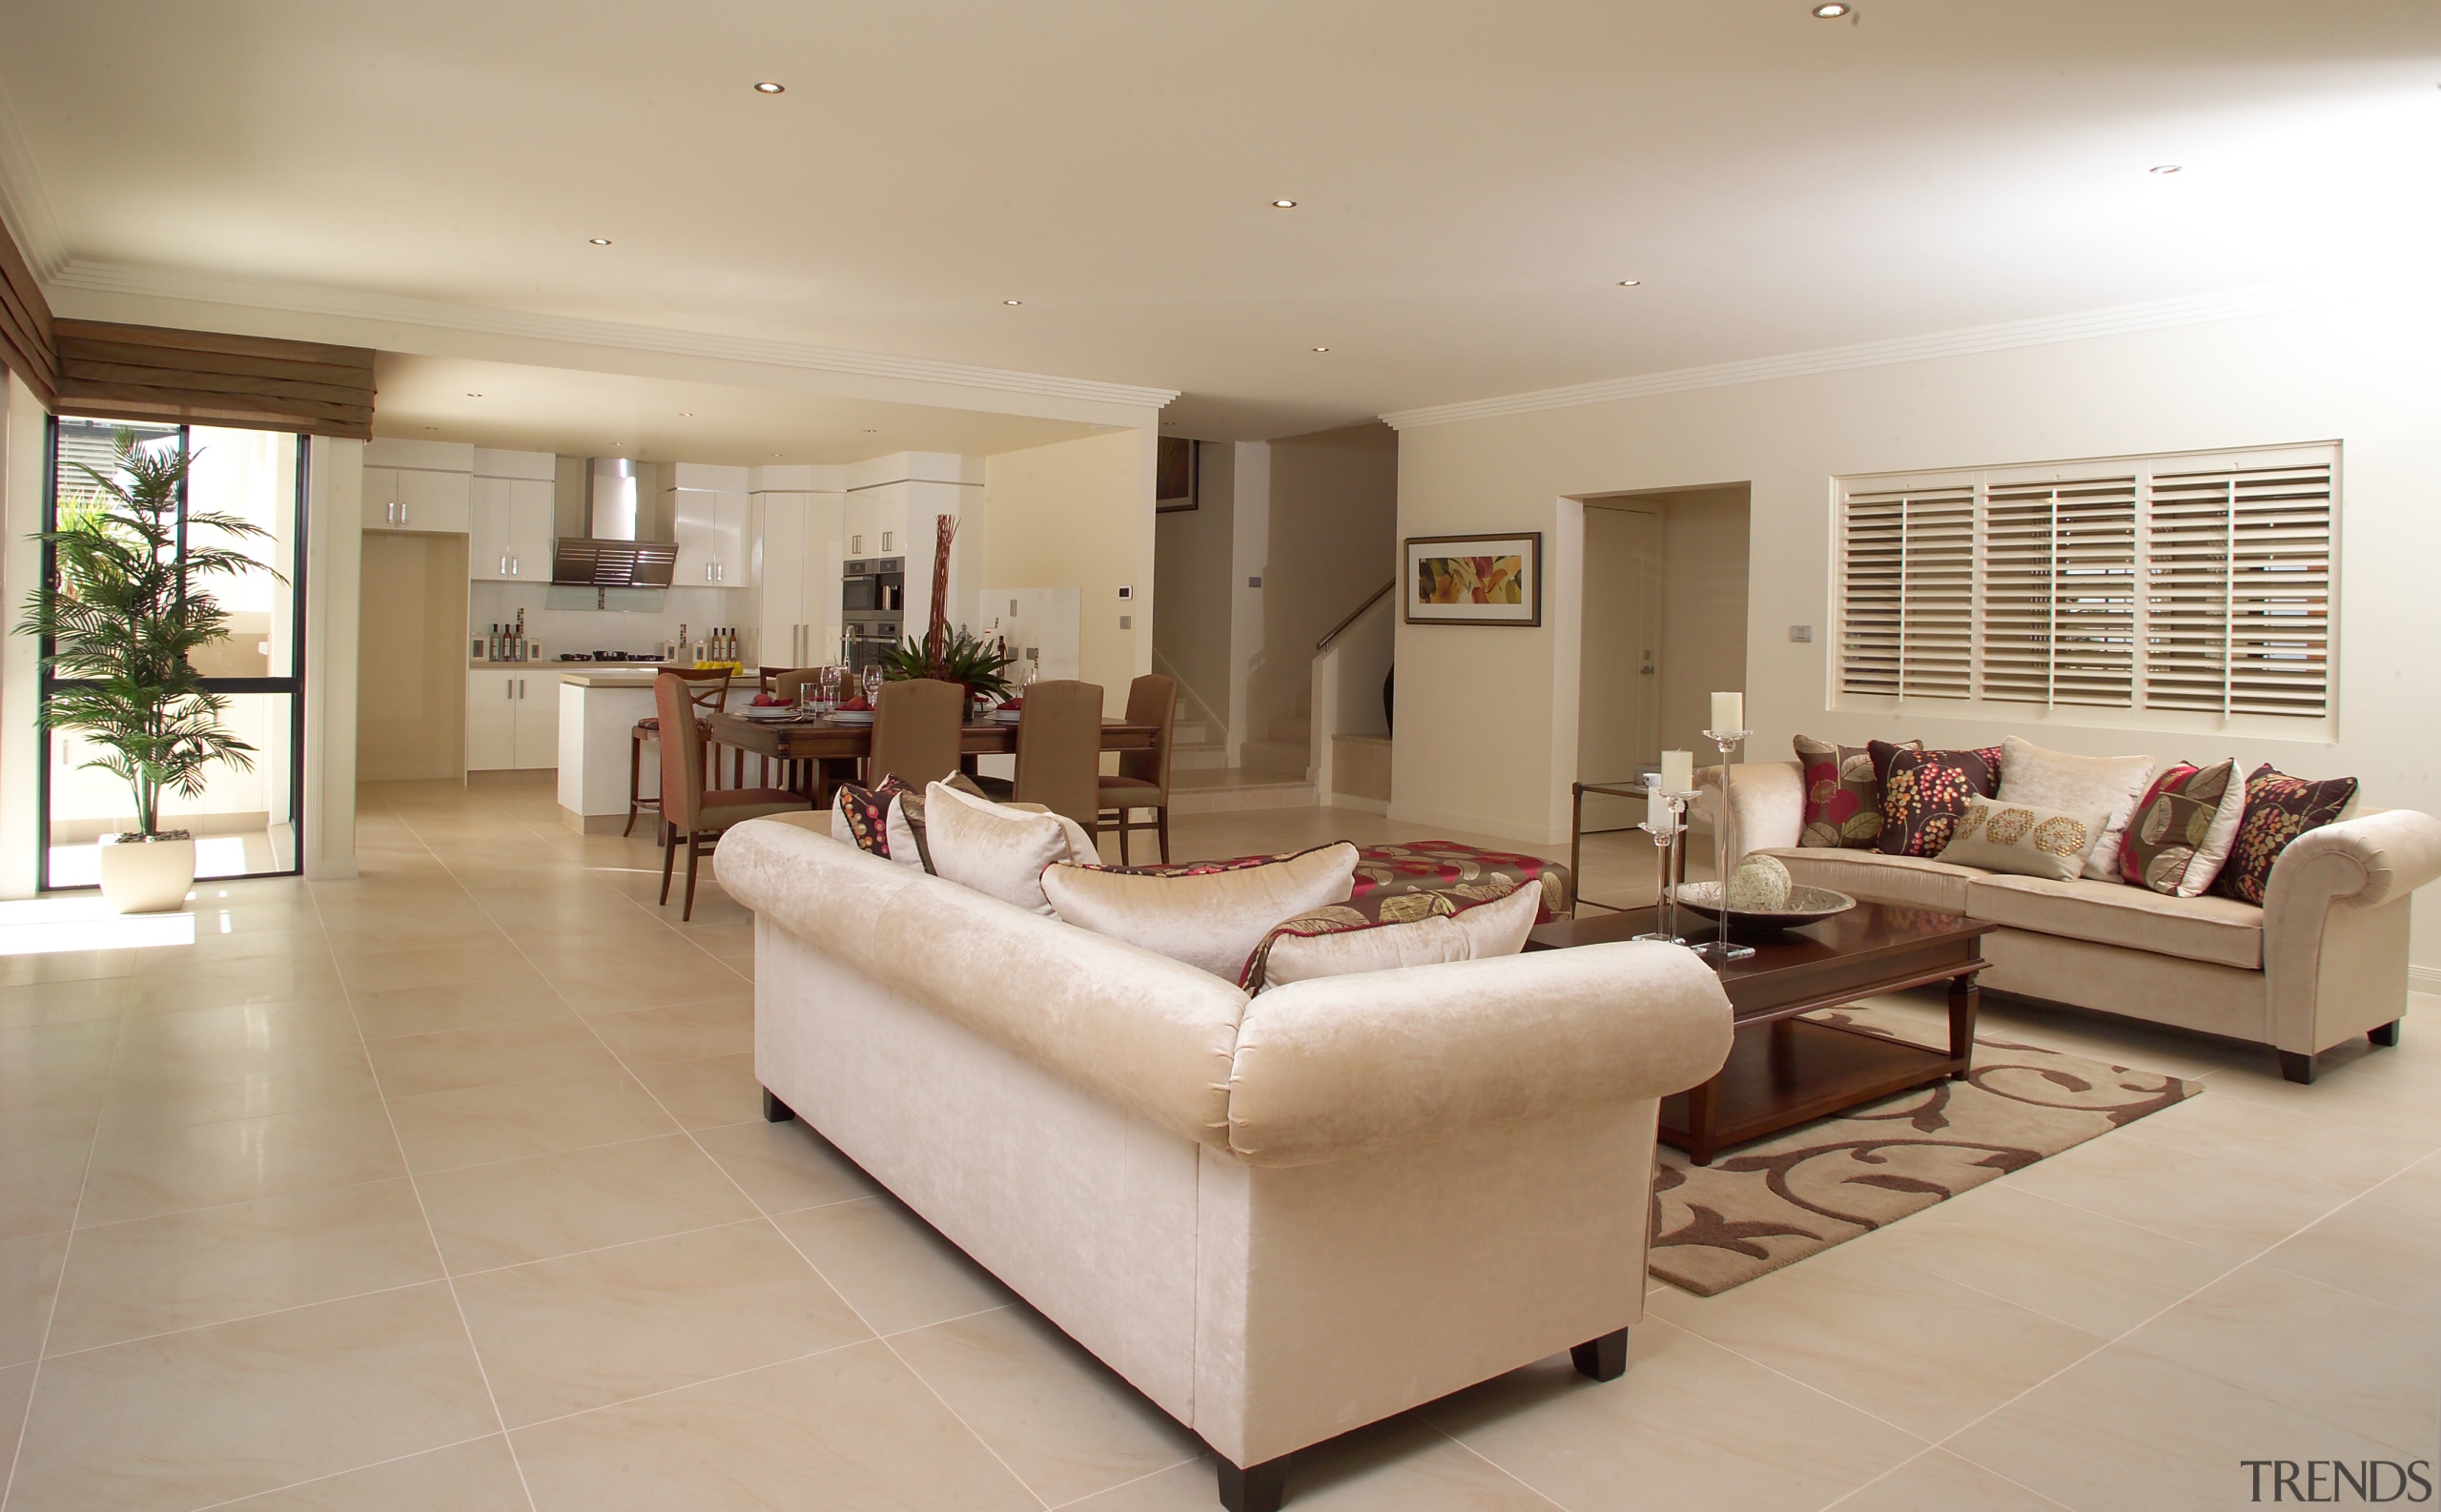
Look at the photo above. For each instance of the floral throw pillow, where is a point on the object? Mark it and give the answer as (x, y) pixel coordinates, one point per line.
(1842, 795)
(2181, 831)
(1924, 791)
(2279, 809)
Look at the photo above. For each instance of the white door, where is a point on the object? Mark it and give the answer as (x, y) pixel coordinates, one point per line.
(783, 580)
(537, 719)
(433, 501)
(864, 533)
(694, 522)
(487, 511)
(381, 498)
(531, 507)
(1619, 668)
(491, 720)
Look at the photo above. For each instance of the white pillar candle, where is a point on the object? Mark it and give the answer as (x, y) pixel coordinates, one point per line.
(1729, 712)
(1677, 772)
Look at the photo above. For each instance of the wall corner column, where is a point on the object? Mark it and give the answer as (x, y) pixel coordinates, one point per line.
(24, 442)
(334, 593)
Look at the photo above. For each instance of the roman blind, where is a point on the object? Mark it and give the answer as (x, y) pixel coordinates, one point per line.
(2200, 583)
(152, 373)
(26, 344)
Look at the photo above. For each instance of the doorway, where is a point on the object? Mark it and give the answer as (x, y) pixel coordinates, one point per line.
(411, 658)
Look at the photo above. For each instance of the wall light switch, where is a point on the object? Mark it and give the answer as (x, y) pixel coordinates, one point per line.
(1127, 622)
(1126, 592)
(1254, 583)
(1801, 632)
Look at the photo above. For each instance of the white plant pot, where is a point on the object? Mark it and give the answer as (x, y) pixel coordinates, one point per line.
(147, 877)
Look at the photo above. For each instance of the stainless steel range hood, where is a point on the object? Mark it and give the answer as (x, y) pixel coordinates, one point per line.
(608, 555)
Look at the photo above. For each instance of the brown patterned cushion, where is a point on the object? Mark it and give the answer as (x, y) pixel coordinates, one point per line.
(890, 814)
(1924, 791)
(2182, 830)
(1414, 866)
(2279, 809)
(1381, 931)
(1842, 795)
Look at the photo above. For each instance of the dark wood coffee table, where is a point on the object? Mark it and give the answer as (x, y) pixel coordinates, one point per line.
(1784, 1070)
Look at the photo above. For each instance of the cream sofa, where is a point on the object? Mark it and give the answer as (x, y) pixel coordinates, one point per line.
(1281, 1218)
(2323, 960)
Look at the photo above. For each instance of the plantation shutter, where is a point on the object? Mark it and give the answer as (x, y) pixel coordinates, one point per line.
(1871, 558)
(2240, 589)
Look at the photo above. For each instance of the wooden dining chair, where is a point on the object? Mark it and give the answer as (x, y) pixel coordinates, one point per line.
(690, 815)
(916, 726)
(1059, 750)
(707, 690)
(1143, 776)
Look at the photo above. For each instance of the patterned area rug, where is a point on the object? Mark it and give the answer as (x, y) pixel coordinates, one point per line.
(1764, 1205)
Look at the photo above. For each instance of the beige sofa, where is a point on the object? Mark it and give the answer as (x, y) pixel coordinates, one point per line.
(1281, 1218)
(2323, 960)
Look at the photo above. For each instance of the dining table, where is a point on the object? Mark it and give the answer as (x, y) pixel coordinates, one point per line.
(814, 737)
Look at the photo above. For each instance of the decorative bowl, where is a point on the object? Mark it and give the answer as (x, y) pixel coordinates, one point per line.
(1806, 906)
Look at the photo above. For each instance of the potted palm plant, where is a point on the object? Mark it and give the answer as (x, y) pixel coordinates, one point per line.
(124, 607)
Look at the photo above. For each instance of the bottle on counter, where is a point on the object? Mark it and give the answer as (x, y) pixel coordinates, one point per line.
(491, 644)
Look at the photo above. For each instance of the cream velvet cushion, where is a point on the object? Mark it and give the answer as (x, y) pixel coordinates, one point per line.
(2035, 778)
(1479, 933)
(997, 851)
(1213, 920)
(2027, 842)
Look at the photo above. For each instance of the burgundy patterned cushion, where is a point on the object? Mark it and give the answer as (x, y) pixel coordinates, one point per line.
(1924, 791)
(1417, 866)
(1842, 795)
(2279, 809)
(867, 813)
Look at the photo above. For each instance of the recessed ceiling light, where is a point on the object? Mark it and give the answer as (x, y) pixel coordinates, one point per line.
(1322, 349)
(2165, 168)
(1832, 9)
(432, 427)
(474, 395)
(597, 241)
(767, 86)
(686, 415)
(1013, 302)
(1283, 204)
(870, 431)
(1629, 283)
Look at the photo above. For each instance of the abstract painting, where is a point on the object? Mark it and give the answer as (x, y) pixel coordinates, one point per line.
(1474, 579)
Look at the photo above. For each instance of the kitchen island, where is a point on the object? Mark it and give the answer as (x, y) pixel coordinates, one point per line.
(598, 705)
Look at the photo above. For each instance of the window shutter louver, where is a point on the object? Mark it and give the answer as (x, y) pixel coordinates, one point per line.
(1870, 564)
(1937, 606)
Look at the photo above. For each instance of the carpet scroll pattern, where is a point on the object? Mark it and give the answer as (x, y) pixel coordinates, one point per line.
(1764, 1205)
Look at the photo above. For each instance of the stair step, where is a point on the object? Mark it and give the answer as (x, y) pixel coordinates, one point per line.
(1296, 732)
(1274, 756)
(1199, 758)
(1190, 732)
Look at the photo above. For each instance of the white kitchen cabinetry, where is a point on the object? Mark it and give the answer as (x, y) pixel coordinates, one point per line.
(417, 499)
(783, 580)
(512, 718)
(710, 528)
(510, 530)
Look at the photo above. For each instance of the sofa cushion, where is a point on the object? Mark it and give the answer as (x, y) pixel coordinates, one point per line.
(1211, 918)
(1414, 866)
(1388, 930)
(1842, 795)
(1906, 882)
(2279, 809)
(2216, 930)
(996, 849)
(2024, 841)
(2051, 779)
(2181, 832)
(886, 820)
(1923, 792)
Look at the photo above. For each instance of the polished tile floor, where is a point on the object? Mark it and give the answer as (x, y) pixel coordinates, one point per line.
(446, 1188)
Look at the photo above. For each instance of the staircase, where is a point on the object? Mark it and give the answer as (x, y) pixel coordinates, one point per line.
(1289, 749)
(1196, 747)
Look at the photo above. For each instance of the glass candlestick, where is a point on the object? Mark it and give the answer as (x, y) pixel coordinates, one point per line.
(1719, 948)
(1665, 826)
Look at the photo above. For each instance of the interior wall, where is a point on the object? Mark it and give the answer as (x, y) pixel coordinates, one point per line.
(1333, 540)
(411, 662)
(2359, 371)
(1079, 514)
(1620, 665)
(1703, 608)
(1191, 576)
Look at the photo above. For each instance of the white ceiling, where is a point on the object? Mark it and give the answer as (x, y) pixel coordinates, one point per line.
(1473, 180)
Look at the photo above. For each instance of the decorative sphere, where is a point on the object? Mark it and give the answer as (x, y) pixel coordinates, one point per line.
(1760, 884)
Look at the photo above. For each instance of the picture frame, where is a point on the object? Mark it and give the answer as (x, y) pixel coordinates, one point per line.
(1494, 579)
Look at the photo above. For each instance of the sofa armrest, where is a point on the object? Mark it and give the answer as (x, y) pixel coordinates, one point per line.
(2331, 969)
(1344, 1066)
(1766, 803)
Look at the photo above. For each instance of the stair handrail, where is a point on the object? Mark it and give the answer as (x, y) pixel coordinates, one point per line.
(1337, 630)
(1189, 696)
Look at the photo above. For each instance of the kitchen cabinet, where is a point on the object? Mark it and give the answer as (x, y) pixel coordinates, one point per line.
(417, 499)
(710, 527)
(802, 541)
(512, 718)
(509, 526)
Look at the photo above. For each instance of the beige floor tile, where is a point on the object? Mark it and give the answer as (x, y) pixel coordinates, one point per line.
(462, 1005)
(77, 1048)
(46, 1110)
(786, 1166)
(456, 1058)
(448, 921)
(891, 1265)
(478, 1475)
(1064, 1421)
(742, 965)
(510, 1120)
(722, 1026)
(2385, 1245)
(29, 1280)
(2123, 1430)
(705, 1094)
(580, 1199)
(1909, 1347)
(588, 1330)
(186, 1270)
(206, 1089)
(601, 983)
(39, 1186)
(848, 1431)
(63, 1002)
(2093, 1272)
(248, 1029)
(2285, 1141)
(275, 980)
(218, 1413)
(2315, 1349)
(559, 908)
(439, 965)
(142, 1171)
(1940, 1481)
(64, 966)
(1690, 1425)
(1400, 1466)
(2222, 1205)
(17, 1389)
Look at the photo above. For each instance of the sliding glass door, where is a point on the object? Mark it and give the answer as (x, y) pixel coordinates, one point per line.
(245, 822)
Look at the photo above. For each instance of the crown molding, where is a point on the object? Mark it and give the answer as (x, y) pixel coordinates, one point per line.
(102, 278)
(2043, 330)
(24, 206)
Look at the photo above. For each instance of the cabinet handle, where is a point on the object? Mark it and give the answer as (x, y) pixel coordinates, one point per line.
(403, 511)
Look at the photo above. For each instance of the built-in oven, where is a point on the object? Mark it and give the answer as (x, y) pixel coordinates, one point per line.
(869, 634)
(873, 585)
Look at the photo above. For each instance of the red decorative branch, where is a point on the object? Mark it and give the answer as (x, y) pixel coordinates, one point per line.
(936, 637)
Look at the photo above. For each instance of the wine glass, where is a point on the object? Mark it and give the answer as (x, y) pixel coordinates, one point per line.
(872, 686)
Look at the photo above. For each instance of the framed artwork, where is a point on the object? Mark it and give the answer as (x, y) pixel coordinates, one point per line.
(1475, 580)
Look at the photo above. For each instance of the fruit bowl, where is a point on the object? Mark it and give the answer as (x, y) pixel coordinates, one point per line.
(1806, 906)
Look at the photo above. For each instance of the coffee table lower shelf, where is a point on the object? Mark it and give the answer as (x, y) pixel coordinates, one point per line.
(1791, 1071)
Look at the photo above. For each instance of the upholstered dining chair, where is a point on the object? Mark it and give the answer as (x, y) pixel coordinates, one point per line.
(689, 815)
(1143, 776)
(1059, 750)
(708, 690)
(916, 723)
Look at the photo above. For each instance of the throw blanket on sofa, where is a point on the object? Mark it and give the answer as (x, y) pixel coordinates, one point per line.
(1423, 866)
